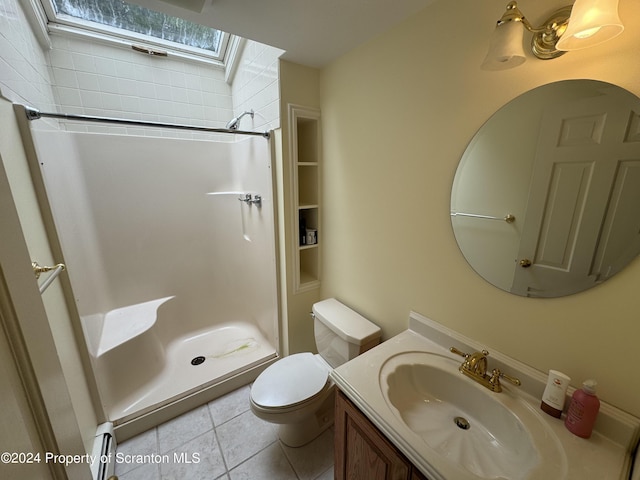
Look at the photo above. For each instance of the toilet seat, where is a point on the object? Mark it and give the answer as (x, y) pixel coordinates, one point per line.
(289, 382)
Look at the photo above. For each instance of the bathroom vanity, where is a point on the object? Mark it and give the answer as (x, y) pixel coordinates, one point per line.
(404, 411)
(362, 451)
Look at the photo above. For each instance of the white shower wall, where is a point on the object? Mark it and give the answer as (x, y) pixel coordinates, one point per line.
(138, 223)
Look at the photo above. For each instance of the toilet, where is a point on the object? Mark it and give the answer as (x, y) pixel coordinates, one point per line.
(296, 392)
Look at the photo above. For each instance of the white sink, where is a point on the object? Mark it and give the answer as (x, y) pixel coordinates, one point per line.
(491, 435)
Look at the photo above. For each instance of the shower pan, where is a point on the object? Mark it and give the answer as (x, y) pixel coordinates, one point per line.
(174, 279)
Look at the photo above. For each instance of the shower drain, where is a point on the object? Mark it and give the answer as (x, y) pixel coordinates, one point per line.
(197, 360)
(462, 423)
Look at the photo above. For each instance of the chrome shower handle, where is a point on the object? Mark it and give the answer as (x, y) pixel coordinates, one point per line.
(256, 200)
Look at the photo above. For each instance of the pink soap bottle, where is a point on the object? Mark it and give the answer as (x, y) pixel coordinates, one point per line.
(583, 410)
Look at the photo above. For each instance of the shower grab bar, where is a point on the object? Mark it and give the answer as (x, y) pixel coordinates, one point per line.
(34, 114)
(508, 218)
(38, 270)
(256, 200)
(226, 193)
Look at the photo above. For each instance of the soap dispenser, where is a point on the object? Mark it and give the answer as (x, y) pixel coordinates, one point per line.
(583, 410)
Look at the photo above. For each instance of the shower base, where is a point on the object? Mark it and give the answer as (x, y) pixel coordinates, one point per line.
(197, 366)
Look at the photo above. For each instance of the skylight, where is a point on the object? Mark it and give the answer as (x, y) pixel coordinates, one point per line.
(136, 22)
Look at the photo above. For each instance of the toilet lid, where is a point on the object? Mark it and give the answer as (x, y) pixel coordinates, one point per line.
(291, 380)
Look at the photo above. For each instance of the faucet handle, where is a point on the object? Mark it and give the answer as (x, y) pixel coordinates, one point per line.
(458, 352)
(467, 355)
(514, 380)
(497, 375)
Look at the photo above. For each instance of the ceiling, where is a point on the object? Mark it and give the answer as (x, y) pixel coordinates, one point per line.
(311, 32)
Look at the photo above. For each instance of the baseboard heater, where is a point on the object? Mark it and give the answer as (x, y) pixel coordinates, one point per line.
(104, 450)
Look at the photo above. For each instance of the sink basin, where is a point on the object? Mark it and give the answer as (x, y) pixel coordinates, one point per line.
(491, 435)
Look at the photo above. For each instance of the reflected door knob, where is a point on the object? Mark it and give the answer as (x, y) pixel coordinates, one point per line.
(525, 263)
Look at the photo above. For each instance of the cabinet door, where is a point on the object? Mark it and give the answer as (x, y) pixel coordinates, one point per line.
(416, 475)
(362, 452)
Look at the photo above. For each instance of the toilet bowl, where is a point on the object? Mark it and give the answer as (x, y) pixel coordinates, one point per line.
(296, 392)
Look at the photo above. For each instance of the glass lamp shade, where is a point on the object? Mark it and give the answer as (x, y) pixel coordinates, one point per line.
(591, 22)
(505, 49)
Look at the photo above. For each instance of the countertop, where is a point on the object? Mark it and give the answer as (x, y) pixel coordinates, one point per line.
(606, 455)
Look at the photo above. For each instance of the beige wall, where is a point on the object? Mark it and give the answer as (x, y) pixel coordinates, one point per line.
(397, 114)
(300, 86)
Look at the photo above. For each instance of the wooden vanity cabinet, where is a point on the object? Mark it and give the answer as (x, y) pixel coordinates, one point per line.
(362, 452)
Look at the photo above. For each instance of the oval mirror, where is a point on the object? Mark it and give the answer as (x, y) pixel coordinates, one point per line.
(546, 198)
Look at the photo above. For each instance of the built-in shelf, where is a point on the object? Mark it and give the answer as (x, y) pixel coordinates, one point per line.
(306, 160)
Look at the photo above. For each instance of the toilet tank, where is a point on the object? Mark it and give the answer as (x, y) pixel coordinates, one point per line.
(341, 333)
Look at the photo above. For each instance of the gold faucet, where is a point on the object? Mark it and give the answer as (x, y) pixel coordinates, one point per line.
(475, 367)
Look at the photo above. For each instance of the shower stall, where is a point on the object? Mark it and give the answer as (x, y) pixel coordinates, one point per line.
(170, 249)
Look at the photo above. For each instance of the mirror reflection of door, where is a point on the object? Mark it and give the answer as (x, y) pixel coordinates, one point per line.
(564, 160)
(583, 157)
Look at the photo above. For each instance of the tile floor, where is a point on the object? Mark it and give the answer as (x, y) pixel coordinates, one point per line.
(222, 440)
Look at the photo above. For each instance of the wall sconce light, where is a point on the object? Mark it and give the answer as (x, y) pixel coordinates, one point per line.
(585, 24)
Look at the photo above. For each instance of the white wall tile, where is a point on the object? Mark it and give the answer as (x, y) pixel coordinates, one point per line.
(148, 106)
(70, 96)
(193, 81)
(255, 86)
(91, 99)
(177, 79)
(127, 87)
(24, 74)
(179, 95)
(80, 62)
(65, 78)
(196, 114)
(63, 59)
(111, 102)
(125, 70)
(160, 76)
(146, 90)
(131, 104)
(87, 81)
(163, 92)
(195, 97)
(108, 84)
(104, 66)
